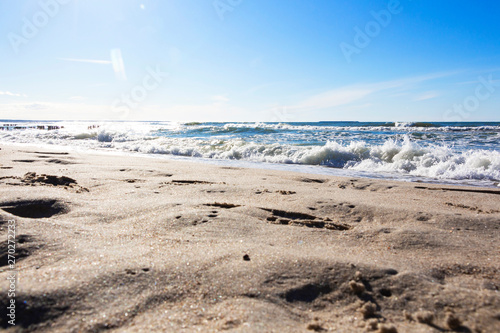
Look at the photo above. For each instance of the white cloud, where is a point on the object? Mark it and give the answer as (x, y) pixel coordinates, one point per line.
(116, 61)
(220, 99)
(334, 98)
(82, 111)
(8, 93)
(467, 83)
(35, 106)
(53, 111)
(359, 93)
(90, 61)
(354, 101)
(427, 95)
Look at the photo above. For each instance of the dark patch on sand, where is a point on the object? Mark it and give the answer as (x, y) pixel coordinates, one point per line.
(302, 219)
(33, 310)
(346, 212)
(423, 217)
(58, 161)
(290, 215)
(133, 180)
(306, 293)
(385, 295)
(412, 240)
(33, 209)
(162, 174)
(373, 187)
(48, 153)
(282, 192)
(24, 161)
(440, 273)
(479, 190)
(33, 178)
(306, 288)
(190, 182)
(481, 225)
(313, 180)
(25, 246)
(9, 177)
(222, 205)
(473, 208)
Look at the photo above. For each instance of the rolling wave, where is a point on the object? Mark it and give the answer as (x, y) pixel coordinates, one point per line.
(426, 150)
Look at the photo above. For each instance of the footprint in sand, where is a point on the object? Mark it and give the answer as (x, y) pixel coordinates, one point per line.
(31, 178)
(302, 219)
(34, 209)
(312, 180)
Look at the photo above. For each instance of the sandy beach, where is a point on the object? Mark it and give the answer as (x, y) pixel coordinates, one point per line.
(135, 244)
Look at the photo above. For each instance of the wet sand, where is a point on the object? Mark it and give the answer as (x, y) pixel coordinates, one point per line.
(135, 244)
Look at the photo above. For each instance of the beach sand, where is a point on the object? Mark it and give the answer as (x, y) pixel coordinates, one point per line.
(136, 244)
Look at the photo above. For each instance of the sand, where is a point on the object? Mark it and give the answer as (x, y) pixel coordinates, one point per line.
(136, 244)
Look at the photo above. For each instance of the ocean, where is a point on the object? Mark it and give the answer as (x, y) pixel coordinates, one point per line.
(448, 153)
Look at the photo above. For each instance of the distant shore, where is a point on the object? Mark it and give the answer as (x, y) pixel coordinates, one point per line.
(131, 244)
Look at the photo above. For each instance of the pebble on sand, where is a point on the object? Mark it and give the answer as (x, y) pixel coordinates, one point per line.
(356, 287)
(425, 317)
(368, 310)
(452, 321)
(386, 328)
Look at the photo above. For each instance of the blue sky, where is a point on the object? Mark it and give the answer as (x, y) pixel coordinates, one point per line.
(250, 60)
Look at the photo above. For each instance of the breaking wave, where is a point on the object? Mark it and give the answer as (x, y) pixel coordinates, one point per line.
(432, 151)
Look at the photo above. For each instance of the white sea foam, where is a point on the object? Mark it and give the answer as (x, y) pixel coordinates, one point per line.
(448, 157)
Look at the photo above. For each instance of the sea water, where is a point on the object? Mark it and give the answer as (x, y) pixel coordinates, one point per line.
(458, 153)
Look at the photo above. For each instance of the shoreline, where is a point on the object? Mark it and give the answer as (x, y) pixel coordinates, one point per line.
(280, 167)
(132, 244)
